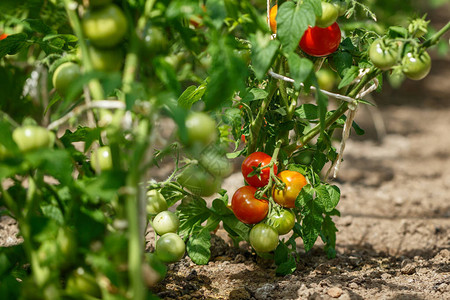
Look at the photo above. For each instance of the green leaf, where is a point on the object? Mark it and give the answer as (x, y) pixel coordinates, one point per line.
(305, 196)
(349, 75)
(328, 236)
(13, 44)
(300, 69)
(103, 186)
(166, 73)
(198, 247)
(327, 196)
(38, 26)
(358, 130)
(254, 94)
(341, 61)
(292, 21)
(263, 53)
(54, 162)
(191, 95)
(287, 267)
(307, 111)
(192, 212)
(311, 225)
(281, 253)
(53, 212)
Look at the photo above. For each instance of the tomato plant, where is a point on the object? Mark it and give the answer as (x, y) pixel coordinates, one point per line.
(246, 207)
(165, 222)
(317, 41)
(263, 238)
(416, 66)
(294, 182)
(170, 248)
(253, 161)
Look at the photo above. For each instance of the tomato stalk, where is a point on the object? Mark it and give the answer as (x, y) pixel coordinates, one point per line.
(435, 38)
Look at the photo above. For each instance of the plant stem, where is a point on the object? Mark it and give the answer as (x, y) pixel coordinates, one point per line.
(435, 38)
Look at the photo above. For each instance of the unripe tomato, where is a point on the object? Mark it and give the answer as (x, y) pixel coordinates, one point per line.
(156, 202)
(4, 153)
(67, 243)
(106, 60)
(65, 75)
(304, 157)
(263, 238)
(294, 183)
(170, 248)
(341, 5)
(29, 138)
(282, 222)
(101, 159)
(272, 18)
(201, 128)
(318, 41)
(198, 181)
(254, 160)
(416, 66)
(165, 222)
(105, 27)
(326, 79)
(82, 283)
(329, 15)
(383, 54)
(247, 208)
(155, 41)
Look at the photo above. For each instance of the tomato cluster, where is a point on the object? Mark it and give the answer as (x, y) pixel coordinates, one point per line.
(249, 209)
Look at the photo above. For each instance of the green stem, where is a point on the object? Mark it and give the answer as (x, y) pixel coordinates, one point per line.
(340, 110)
(435, 38)
(94, 85)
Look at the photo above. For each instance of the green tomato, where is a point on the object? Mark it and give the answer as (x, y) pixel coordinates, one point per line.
(106, 60)
(82, 283)
(170, 248)
(341, 5)
(65, 75)
(29, 138)
(156, 202)
(326, 79)
(416, 66)
(383, 54)
(96, 3)
(4, 153)
(304, 157)
(155, 41)
(282, 222)
(101, 159)
(329, 15)
(165, 222)
(67, 244)
(198, 181)
(263, 238)
(105, 27)
(201, 128)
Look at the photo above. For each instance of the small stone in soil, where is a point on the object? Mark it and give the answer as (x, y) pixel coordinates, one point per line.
(335, 292)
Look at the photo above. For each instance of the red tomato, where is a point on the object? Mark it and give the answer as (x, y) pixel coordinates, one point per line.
(3, 36)
(247, 208)
(318, 41)
(254, 160)
(294, 183)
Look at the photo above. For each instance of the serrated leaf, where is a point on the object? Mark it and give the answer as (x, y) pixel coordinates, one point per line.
(307, 111)
(38, 26)
(328, 236)
(349, 75)
(342, 61)
(13, 44)
(311, 225)
(327, 196)
(287, 267)
(292, 21)
(254, 94)
(305, 196)
(192, 212)
(198, 247)
(263, 53)
(300, 69)
(191, 95)
(53, 212)
(56, 163)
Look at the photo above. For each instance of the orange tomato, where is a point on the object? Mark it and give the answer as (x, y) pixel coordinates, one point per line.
(272, 16)
(3, 36)
(294, 183)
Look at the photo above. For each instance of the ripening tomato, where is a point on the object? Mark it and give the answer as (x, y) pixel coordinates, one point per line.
(65, 75)
(283, 221)
(165, 222)
(329, 15)
(3, 36)
(106, 26)
(247, 208)
(29, 138)
(170, 248)
(272, 18)
(263, 238)
(294, 183)
(416, 66)
(257, 159)
(383, 54)
(101, 159)
(318, 41)
(156, 202)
